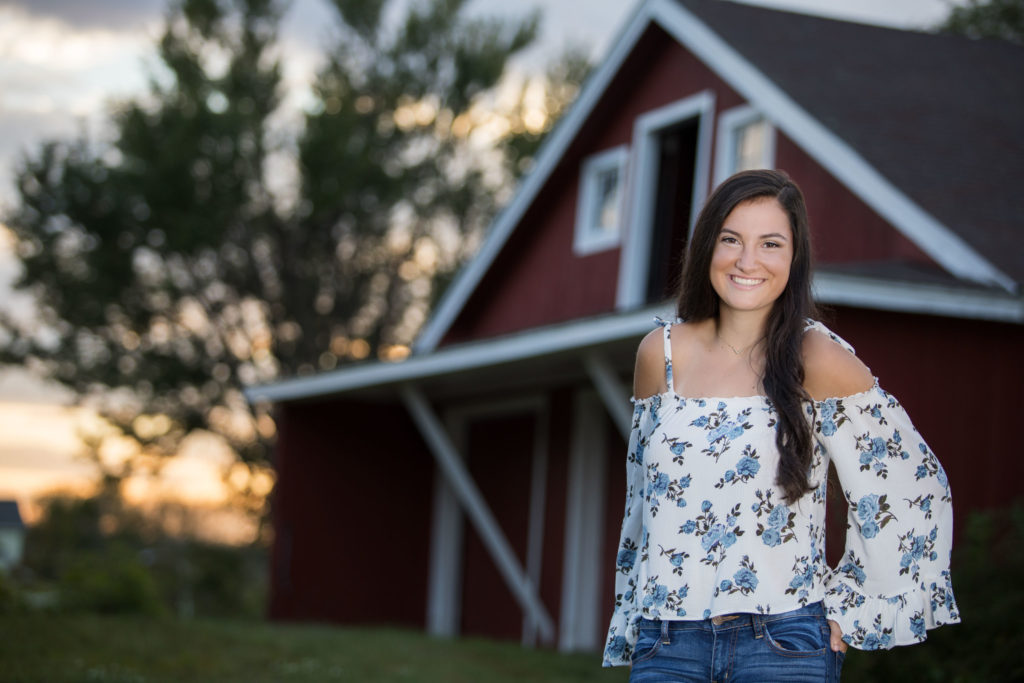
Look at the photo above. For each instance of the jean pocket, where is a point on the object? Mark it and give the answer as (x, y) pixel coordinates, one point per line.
(798, 636)
(647, 645)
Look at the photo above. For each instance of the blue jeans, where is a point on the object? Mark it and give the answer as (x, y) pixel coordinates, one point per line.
(738, 648)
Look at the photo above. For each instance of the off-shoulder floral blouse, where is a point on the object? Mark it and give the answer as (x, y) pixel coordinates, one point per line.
(706, 531)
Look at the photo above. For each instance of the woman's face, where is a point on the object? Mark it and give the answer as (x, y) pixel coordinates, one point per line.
(752, 256)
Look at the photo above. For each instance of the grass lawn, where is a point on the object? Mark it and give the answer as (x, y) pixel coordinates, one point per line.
(94, 648)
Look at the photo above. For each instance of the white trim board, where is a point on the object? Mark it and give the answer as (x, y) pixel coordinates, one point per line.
(835, 155)
(531, 344)
(582, 554)
(634, 260)
(831, 288)
(479, 513)
(888, 295)
(445, 597)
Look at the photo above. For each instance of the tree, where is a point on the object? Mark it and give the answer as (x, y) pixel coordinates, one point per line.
(167, 270)
(1000, 19)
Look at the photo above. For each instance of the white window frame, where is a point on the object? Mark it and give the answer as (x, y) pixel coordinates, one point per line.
(729, 122)
(643, 187)
(588, 238)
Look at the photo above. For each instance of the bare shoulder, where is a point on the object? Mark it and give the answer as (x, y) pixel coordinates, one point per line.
(649, 373)
(830, 370)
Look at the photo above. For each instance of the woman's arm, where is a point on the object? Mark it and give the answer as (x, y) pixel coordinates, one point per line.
(893, 581)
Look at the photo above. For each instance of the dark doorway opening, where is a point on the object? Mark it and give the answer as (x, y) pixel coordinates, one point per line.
(672, 208)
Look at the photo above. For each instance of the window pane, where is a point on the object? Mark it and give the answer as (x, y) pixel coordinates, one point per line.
(607, 214)
(750, 145)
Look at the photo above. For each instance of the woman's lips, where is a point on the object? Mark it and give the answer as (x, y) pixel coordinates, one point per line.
(746, 281)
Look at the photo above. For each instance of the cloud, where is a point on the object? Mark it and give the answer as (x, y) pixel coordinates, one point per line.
(95, 14)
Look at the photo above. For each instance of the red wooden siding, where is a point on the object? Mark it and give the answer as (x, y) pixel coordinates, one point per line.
(351, 514)
(844, 229)
(537, 280)
(500, 453)
(961, 381)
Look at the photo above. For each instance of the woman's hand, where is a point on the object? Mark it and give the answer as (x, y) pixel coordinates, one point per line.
(836, 639)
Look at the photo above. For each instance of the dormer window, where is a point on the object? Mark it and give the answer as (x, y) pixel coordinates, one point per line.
(746, 140)
(599, 205)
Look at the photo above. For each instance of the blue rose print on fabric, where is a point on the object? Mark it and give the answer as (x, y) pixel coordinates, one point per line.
(745, 579)
(615, 648)
(895, 487)
(625, 560)
(747, 467)
(917, 626)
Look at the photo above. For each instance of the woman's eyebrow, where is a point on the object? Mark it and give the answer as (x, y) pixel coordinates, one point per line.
(776, 235)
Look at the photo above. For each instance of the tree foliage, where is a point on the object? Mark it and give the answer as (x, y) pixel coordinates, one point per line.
(170, 269)
(1000, 19)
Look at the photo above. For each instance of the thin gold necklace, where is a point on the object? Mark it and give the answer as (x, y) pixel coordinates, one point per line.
(732, 348)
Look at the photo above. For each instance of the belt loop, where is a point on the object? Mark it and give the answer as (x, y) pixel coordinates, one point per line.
(664, 633)
(758, 622)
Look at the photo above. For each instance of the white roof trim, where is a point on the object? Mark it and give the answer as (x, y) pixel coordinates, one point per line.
(890, 295)
(468, 356)
(547, 159)
(830, 288)
(940, 243)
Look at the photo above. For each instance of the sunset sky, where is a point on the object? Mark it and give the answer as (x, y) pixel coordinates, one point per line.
(62, 62)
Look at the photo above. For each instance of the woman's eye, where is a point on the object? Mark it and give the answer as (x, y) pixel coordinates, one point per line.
(729, 240)
(771, 245)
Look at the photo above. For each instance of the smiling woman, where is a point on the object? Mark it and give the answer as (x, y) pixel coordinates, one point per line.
(741, 406)
(750, 263)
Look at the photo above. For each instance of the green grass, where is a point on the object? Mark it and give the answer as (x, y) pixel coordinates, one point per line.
(132, 650)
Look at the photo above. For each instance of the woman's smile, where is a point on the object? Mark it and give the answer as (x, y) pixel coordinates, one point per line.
(752, 256)
(746, 281)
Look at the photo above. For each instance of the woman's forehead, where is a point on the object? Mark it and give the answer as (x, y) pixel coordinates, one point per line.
(761, 216)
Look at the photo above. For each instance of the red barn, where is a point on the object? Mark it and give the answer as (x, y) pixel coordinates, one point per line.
(477, 487)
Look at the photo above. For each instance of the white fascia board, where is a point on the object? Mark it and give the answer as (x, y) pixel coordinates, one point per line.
(466, 356)
(830, 288)
(888, 295)
(935, 239)
(642, 187)
(550, 153)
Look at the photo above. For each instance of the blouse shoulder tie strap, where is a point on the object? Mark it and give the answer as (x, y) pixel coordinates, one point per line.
(666, 326)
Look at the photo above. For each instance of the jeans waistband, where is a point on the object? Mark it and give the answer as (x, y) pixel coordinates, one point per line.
(725, 622)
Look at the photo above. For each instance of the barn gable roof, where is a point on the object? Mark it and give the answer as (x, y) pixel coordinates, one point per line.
(875, 124)
(940, 116)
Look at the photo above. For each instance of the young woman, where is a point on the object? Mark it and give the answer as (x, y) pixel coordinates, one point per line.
(738, 411)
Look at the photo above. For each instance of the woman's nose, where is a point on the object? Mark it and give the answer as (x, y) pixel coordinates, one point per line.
(747, 258)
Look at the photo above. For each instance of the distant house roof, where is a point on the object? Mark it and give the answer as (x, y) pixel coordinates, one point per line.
(9, 515)
(939, 116)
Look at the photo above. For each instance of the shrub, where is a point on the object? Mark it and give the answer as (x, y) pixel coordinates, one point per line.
(112, 582)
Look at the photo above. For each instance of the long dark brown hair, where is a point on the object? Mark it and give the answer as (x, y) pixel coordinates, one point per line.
(783, 369)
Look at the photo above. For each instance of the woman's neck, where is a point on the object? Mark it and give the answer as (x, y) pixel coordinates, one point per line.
(741, 330)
